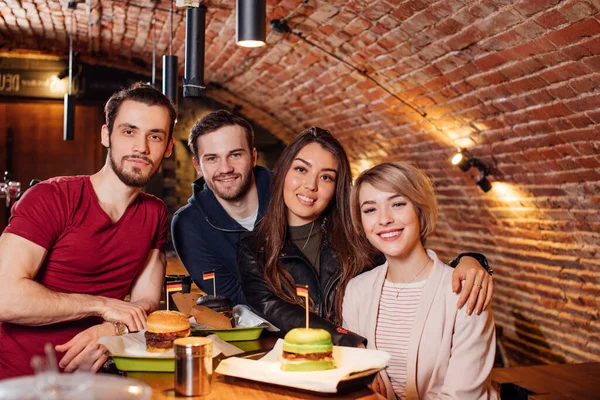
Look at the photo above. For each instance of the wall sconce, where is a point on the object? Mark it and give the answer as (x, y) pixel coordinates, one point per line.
(251, 25)
(465, 161)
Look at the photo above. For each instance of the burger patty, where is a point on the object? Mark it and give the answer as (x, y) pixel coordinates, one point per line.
(160, 345)
(307, 356)
(156, 338)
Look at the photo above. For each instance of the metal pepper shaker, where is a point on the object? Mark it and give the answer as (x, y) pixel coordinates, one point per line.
(193, 366)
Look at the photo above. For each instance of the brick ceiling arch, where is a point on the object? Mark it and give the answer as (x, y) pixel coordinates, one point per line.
(515, 81)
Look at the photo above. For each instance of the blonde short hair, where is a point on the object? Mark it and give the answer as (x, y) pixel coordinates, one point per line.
(405, 180)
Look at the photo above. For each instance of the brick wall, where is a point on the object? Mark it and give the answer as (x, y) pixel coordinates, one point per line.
(514, 81)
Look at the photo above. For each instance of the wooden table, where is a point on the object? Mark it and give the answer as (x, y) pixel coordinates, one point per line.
(549, 382)
(226, 388)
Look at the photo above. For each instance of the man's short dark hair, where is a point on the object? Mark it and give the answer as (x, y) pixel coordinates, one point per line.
(142, 93)
(217, 120)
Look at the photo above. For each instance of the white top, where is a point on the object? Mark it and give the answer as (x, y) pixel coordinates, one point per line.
(444, 341)
(249, 222)
(394, 325)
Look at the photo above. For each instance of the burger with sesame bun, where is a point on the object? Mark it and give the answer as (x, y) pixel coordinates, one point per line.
(307, 350)
(163, 328)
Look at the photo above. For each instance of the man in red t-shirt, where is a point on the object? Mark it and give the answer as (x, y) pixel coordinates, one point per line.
(76, 246)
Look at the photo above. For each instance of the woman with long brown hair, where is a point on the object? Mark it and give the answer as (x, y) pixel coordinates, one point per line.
(306, 238)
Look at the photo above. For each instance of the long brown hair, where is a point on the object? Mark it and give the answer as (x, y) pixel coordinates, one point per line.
(350, 249)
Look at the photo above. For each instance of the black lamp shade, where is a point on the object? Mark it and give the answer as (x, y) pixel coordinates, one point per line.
(169, 80)
(193, 80)
(251, 23)
(69, 117)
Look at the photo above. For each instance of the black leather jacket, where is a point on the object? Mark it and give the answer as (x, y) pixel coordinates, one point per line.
(322, 289)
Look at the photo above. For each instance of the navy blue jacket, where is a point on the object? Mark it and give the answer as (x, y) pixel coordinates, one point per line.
(205, 237)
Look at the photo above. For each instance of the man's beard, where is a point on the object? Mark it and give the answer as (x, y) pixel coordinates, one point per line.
(234, 193)
(135, 179)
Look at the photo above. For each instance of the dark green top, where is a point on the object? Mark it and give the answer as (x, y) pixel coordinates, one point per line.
(308, 239)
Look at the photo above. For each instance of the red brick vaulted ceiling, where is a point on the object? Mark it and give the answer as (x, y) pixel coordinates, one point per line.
(514, 81)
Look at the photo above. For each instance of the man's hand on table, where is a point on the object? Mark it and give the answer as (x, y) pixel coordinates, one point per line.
(131, 314)
(82, 352)
(477, 288)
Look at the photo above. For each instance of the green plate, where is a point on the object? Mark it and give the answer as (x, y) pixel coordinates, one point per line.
(232, 334)
(144, 364)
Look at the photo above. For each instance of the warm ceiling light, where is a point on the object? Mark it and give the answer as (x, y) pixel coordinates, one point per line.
(457, 158)
(251, 23)
(251, 43)
(462, 160)
(465, 161)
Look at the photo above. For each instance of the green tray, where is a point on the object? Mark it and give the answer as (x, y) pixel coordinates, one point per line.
(144, 364)
(231, 334)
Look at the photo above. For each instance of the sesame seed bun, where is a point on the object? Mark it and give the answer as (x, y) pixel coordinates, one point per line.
(167, 321)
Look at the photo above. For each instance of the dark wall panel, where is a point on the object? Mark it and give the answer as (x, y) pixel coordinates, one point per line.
(38, 150)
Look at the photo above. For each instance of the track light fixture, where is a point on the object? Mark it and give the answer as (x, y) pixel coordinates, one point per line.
(461, 160)
(464, 160)
(483, 182)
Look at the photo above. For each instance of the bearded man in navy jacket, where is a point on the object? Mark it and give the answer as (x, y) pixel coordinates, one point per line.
(227, 200)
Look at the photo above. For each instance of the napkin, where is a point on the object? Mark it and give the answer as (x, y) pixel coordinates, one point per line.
(348, 360)
(134, 345)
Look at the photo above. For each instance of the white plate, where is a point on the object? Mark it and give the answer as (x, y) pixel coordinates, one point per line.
(350, 363)
(73, 386)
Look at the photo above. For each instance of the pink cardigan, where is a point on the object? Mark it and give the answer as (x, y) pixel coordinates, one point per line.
(450, 354)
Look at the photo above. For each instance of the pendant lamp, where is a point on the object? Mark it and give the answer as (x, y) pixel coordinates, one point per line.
(251, 23)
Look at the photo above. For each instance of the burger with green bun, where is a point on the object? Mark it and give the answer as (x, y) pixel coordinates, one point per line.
(307, 350)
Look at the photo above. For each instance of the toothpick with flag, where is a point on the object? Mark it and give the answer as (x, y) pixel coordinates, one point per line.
(211, 275)
(170, 288)
(302, 291)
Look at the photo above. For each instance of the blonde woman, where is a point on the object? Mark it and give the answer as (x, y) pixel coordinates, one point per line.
(406, 306)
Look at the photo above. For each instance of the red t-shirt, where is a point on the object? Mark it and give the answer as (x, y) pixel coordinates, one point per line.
(87, 253)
